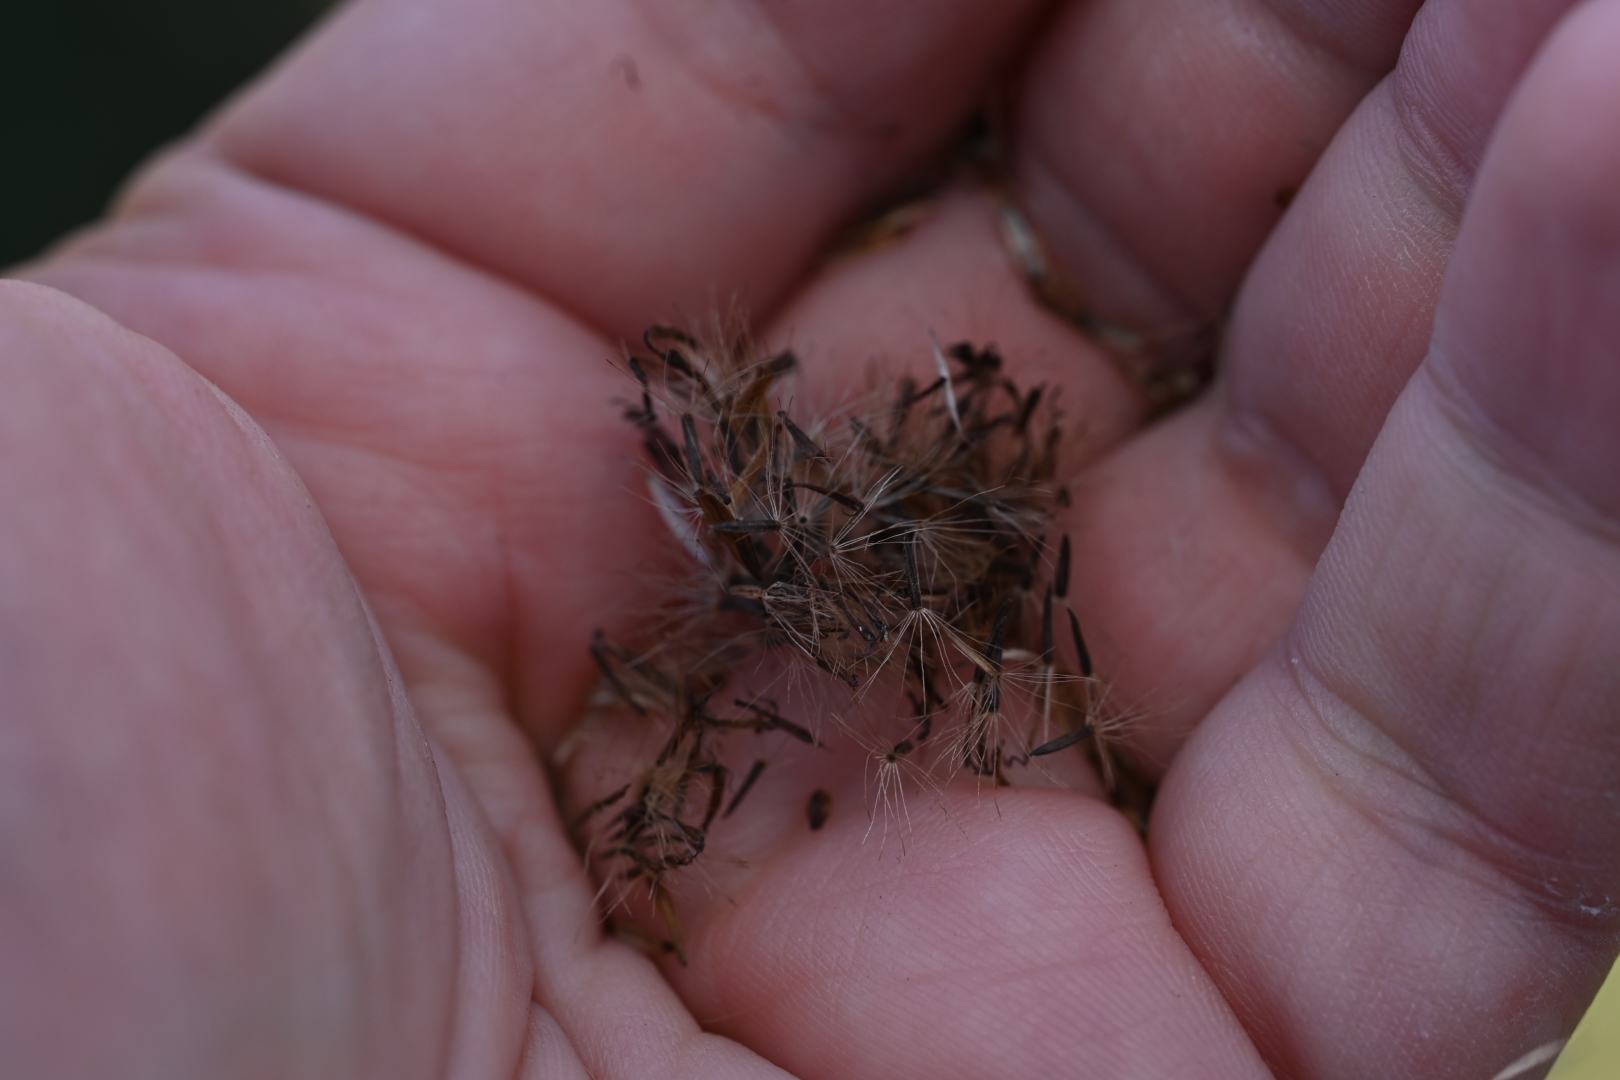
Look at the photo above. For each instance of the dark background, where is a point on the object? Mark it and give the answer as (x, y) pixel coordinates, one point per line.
(88, 88)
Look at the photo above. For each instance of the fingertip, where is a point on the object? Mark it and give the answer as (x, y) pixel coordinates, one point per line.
(1529, 321)
(41, 314)
(625, 160)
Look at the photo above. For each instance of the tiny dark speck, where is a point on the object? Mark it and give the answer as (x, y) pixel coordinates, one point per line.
(820, 806)
(627, 70)
(1285, 195)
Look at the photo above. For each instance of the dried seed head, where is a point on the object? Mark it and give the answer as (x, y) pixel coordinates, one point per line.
(898, 546)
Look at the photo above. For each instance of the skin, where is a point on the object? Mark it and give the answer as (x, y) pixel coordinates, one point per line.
(315, 494)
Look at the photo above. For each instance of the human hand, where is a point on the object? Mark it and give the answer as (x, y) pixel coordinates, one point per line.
(406, 257)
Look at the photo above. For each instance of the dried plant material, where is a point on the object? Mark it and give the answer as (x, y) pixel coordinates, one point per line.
(896, 553)
(819, 810)
(1536, 1058)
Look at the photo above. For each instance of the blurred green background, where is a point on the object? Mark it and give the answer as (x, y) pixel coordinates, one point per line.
(88, 88)
(1594, 1051)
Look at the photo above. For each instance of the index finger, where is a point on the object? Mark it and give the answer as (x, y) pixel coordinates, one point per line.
(624, 159)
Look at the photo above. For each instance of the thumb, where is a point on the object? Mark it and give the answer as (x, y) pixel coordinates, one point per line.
(1407, 821)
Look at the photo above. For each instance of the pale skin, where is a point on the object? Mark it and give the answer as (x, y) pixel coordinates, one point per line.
(284, 655)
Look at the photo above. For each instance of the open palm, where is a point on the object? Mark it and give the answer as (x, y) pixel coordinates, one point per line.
(259, 821)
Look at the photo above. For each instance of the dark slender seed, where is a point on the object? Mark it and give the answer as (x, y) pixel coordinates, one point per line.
(639, 372)
(600, 804)
(694, 457)
(853, 505)
(729, 437)
(820, 807)
(672, 357)
(780, 364)
(910, 395)
(806, 445)
(771, 721)
(1061, 583)
(648, 334)
(599, 654)
(747, 526)
(1080, 645)
(1028, 409)
(1062, 742)
(998, 638)
(748, 782)
(746, 604)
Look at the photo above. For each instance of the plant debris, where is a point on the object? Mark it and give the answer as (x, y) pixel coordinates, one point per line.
(898, 553)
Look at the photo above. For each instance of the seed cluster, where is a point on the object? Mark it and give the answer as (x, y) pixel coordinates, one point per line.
(901, 551)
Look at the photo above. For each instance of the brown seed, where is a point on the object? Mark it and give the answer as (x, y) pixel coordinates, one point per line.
(820, 807)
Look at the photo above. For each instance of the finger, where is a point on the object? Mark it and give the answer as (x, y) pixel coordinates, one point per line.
(598, 1009)
(1229, 504)
(627, 160)
(232, 870)
(1337, 312)
(1158, 143)
(1017, 936)
(460, 438)
(944, 931)
(602, 1009)
(1395, 843)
